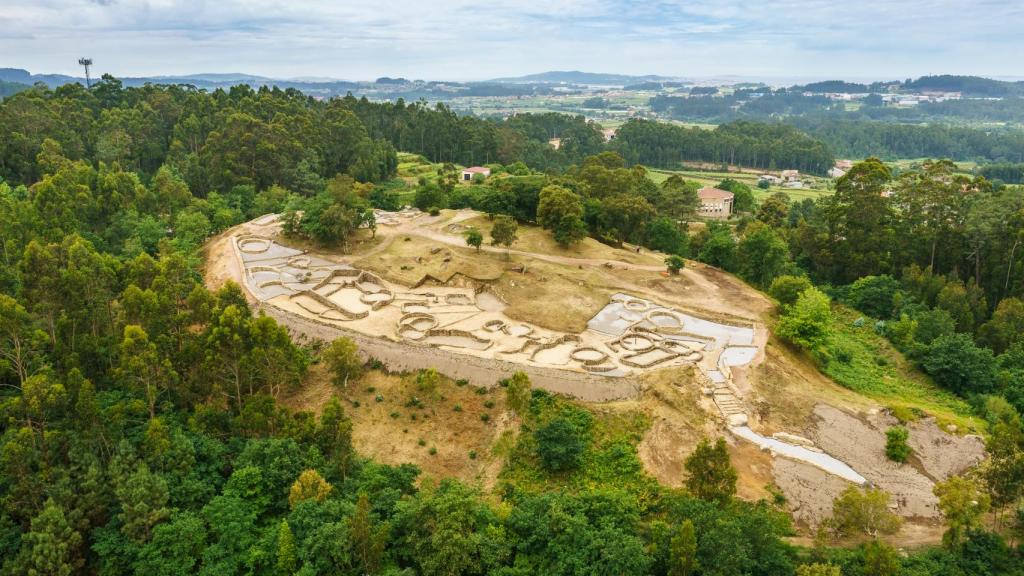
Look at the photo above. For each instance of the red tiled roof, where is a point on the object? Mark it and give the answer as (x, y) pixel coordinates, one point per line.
(477, 170)
(714, 194)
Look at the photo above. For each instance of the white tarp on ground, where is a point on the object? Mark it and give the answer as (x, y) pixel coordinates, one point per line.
(819, 459)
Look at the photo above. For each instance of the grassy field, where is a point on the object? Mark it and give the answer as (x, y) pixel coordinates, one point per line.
(748, 178)
(965, 167)
(867, 363)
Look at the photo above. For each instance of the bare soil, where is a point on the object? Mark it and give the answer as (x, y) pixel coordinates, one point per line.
(390, 430)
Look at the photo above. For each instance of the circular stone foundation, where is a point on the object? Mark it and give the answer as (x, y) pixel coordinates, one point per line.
(494, 325)
(636, 343)
(635, 305)
(300, 262)
(375, 298)
(417, 321)
(520, 330)
(588, 355)
(665, 319)
(630, 317)
(254, 245)
(411, 334)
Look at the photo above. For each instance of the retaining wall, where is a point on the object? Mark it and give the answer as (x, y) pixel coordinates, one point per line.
(409, 356)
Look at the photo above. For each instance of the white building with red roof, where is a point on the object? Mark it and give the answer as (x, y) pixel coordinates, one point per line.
(468, 173)
(715, 203)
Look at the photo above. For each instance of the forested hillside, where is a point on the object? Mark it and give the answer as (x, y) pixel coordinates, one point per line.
(141, 429)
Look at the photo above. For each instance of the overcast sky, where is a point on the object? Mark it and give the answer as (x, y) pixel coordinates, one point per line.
(472, 40)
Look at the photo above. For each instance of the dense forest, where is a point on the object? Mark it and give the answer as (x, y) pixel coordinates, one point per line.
(141, 431)
(859, 139)
(754, 144)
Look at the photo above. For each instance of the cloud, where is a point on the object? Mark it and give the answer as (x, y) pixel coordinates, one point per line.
(474, 39)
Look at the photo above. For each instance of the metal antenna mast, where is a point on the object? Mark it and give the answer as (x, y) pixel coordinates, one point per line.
(86, 62)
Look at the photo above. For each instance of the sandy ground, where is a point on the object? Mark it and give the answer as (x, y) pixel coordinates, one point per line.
(937, 453)
(862, 445)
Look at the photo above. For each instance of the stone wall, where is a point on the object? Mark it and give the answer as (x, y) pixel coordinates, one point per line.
(409, 356)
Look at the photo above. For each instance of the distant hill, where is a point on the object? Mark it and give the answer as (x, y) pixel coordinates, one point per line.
(836, 86)
(24, 77)
(216, 77)
(577, 77)
(11, 88)
(967, 85)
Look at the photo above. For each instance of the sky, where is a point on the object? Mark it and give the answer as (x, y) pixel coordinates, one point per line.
(476, 40)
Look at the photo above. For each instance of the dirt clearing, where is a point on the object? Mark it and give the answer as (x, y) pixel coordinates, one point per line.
(450, 432)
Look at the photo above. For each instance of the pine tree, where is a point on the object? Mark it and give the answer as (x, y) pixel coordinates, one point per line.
(286, 558)
(712, 476)
(143, 498)
(51, 548)
(366, 541)
(518, 393)
(683, 551)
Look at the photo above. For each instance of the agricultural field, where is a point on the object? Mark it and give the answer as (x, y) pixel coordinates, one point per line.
(820, 186)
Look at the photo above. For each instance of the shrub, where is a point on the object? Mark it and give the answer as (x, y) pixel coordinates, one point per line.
(874, 295)
(956, 363)
(674, 264)
(427, 380)
(560, 444)
(712, 476)
(896, 447)
(808, 322)
(786, 289)
(863, 511)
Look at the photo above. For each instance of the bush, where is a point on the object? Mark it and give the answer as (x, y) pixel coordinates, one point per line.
(896, 448)
(808, 323)
(956, 363)
(560, 444)
(674, 264)
(786, 289)
(843, 354)
(427, 380)
(874, 295)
